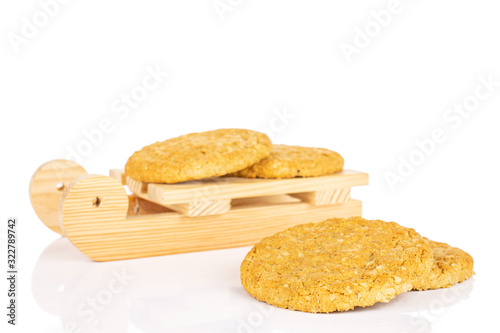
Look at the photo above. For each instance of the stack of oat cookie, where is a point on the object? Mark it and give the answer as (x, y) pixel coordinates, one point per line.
(232, 152)
(334, 265)
(339, 264)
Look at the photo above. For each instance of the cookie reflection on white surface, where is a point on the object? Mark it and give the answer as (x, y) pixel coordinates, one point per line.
(201, 292)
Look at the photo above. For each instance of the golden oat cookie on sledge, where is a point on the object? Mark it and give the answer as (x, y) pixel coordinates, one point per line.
(450, 266)
(294, 161)
(335, 265)
(198, 155)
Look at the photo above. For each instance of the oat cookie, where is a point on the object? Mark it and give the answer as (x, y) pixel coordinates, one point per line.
(294, 161)
(335, 265)
(451, 265)
(198, 155)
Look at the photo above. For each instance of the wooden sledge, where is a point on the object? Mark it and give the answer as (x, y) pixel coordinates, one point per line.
(105, 223)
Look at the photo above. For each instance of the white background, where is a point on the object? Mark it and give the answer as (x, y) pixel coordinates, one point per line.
(238, 70)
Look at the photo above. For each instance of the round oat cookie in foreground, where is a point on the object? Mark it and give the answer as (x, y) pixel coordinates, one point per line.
(450, 266)
(198, 155)
(335, 265)
(294, 161)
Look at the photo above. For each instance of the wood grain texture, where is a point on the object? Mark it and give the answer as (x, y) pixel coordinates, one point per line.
(136, 186)
(202, 208)
(94, 208)
(47, 186)
(119, 175)
(325, 197)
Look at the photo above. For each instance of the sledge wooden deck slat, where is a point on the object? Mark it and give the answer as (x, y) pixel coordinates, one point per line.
(119, 175)
(232, 187)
